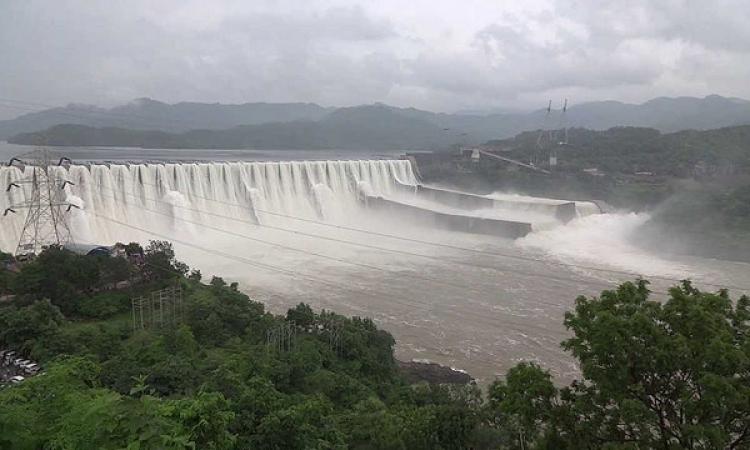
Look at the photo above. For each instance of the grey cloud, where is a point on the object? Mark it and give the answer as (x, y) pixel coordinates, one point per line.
(508, 61)
(717, 24)
(337, 24)
(336, 52)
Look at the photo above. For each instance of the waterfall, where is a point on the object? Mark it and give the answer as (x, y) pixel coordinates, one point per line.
(203, 193)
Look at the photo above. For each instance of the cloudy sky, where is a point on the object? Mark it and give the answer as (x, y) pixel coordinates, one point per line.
(442, 55)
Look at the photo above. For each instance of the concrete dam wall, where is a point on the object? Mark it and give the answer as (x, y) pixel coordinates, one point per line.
(453, 222)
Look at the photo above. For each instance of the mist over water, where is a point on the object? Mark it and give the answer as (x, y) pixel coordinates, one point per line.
(481, 309)
(603, 239)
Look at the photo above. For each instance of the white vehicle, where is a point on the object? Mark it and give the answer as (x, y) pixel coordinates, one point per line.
(30, 368)
(9, 357)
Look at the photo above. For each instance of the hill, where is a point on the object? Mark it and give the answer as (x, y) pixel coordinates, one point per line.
(371, 127)
(154, 115)
(663, 114)
(627, 150)
(220, 372)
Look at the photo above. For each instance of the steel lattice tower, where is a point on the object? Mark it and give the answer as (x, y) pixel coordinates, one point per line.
(46, 220)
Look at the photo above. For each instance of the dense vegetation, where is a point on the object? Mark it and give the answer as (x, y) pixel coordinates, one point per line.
(669, 375)
(627, 150)
(695, 183)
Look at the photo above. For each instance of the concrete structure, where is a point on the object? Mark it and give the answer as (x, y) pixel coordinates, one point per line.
(454, 222)
(89, 249)
(564, 211)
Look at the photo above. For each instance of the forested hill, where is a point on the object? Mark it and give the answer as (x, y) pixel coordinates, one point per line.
(664, 114)
(629, 150)
(373, 127)
(145, 113)
(619, 149)
(222, 373)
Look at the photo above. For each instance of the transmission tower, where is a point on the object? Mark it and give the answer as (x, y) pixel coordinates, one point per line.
(545, 136)
(282, 338)
(561, 139)
(46, 220)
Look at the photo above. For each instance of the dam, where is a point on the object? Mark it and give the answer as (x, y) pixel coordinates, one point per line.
(367, 238)
(260, 192)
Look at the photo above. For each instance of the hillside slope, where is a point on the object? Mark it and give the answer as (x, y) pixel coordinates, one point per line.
(663, 114)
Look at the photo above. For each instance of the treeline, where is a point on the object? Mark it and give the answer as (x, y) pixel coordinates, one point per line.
(627, 150)
(695, 183)
(365, 128)
(673, 374)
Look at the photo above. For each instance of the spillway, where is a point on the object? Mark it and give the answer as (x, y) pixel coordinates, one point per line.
(109, 194)
(115, 201)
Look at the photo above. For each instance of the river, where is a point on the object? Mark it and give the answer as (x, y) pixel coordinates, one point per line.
(477, 303)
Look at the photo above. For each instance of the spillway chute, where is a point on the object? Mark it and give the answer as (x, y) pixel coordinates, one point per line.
(347, 192)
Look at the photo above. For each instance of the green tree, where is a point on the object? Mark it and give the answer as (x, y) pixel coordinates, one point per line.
(668, 375)
(306, 425)
(161, 263)
(5, 274)
(21, 327)
(59, 275)
(302, 315)
(524, 404)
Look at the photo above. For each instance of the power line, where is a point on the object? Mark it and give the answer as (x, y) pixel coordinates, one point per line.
(462, 287)
(420, 241)
(291, 273)
(294, 249)
(45, 223)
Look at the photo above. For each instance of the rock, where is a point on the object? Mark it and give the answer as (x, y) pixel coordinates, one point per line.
(433, 373)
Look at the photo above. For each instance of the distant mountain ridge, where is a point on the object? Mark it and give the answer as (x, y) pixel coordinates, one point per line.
(290, 125)
(375, 127)
(148, 114)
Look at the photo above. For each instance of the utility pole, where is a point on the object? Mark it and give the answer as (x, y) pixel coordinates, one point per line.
(545, 136)
(160, 309)
(282, 338)
(46, 222)
(562, 141)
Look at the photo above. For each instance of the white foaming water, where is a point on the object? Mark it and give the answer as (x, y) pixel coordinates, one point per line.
(522, 202)
(79, 220)
(180, 210)
(599, 239)
(166, 198)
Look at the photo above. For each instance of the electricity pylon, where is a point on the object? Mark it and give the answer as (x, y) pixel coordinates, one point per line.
(562, 141)
(46, 220)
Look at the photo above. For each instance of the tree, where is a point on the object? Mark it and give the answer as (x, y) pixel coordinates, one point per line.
(217, 282)
(66, 278)
(160, 262)
(6, 260)
(195, 275)
(219, 313)
(20, 327)
(305, 425)
(524, 403)
(671, 375)
(59, 275)
(113, 270)
(301, 315)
